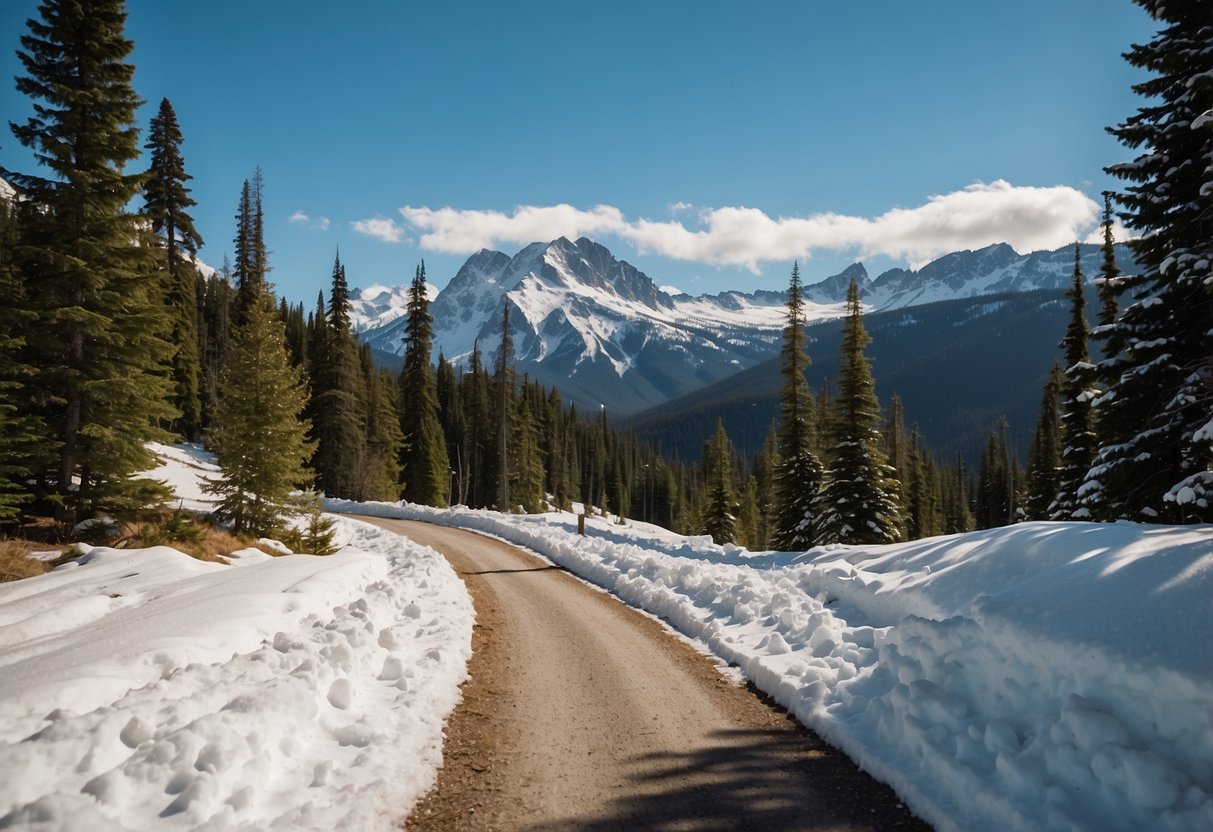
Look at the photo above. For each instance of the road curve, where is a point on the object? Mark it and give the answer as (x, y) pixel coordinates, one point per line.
(581, 713)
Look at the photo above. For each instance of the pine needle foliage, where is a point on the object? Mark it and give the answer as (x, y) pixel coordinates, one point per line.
(260, 435)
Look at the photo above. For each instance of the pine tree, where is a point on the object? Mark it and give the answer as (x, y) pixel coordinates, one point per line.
(1044, 464)
(338, 402)
(719, 519)
(799, 477)
(503, 389)
(216, 305)
(87, 264)
(1110, 287)
(252, 264)
(1157, 453)
(426, 469)
(167, 203)
(260, 436)
(896, 446)
(21, 431)
(527, 474)
(862, 493)
(379, 478)
(996, 502)
(1078, 442)
(766, 466)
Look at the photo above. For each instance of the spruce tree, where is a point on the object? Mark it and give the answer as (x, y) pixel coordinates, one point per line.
(503, 391)
(21, 431)
(339, 400)
(167, 203)
(380, 477)
(1044, 463)
(1109, 286)
(719, 518)
(260, 434)
(1078, 443)
(862, 493)
(799, 477)
(426, 469)
(87, 263)
(1156, 456)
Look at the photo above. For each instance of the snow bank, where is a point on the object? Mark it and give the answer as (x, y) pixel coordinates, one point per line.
(1043, 676)
(144, 688)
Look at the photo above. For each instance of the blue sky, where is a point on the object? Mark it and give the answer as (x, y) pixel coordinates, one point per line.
(709, 143)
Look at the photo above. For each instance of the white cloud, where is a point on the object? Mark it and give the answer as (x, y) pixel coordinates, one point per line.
(463, 232)
(1029, 218)
(679, 207)
(380, 228)
(301, 218)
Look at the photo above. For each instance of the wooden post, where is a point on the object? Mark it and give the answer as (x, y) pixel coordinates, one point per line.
(581, 524)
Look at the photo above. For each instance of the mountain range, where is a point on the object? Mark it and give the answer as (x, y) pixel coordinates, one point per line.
(605, 334)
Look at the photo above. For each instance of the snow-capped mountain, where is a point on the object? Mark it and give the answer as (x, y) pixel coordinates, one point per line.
(594, 326)
(603, 332)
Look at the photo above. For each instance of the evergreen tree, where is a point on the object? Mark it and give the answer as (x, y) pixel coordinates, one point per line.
(862, 493)
(766, 466)
(527, 474)
(1157, 453)
(1110, 287)
(426, 469)
(896, 446)
(260, 436)
(167, 203)
(477, 455)
(1044, 463)
(719, 519)
(21, 432)
(338, 402)
(87, 263)
(1078, 443)
(251, 256)
(217, 301)
(503, 384)
(799, 478)
(379, 478)
(996, 501)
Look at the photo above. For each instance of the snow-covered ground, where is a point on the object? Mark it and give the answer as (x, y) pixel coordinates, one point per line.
(1043, 676)
(145, 689)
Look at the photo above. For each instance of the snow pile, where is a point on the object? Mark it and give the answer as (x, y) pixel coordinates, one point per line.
(143, 688)
(1043, 676)
(185, 468)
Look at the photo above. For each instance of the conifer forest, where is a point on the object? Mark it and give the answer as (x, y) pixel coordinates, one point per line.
(111, 336)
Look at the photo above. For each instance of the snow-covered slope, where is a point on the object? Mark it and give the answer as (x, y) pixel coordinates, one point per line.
(144, 689)
(603, 332)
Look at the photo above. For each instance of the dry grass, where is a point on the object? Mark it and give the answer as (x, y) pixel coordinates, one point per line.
(189, 533)
(15, 562)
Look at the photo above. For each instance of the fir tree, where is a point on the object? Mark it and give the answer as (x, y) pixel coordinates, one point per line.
(260, 436)
(799, 477)
(1044, 464)
(1110, 287)
(862, 493)
(503, 384)
(87, 264)
(719, 519)
(167, 203)
(379, 478)
(338, 402)
(21, 432)
(1157, 453)
(1078, 443)
(426, 469)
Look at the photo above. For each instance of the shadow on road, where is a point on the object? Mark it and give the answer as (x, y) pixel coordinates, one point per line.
(776, 781)
(513, 571)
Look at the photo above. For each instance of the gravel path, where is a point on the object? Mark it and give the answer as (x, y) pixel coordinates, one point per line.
(583, 714)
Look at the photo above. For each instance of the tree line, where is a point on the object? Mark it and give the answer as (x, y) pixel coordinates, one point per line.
(110, 337)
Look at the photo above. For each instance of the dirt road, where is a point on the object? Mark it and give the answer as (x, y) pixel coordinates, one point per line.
(583, 714)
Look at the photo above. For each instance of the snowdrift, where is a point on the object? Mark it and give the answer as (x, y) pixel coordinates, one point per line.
(1042, 676)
